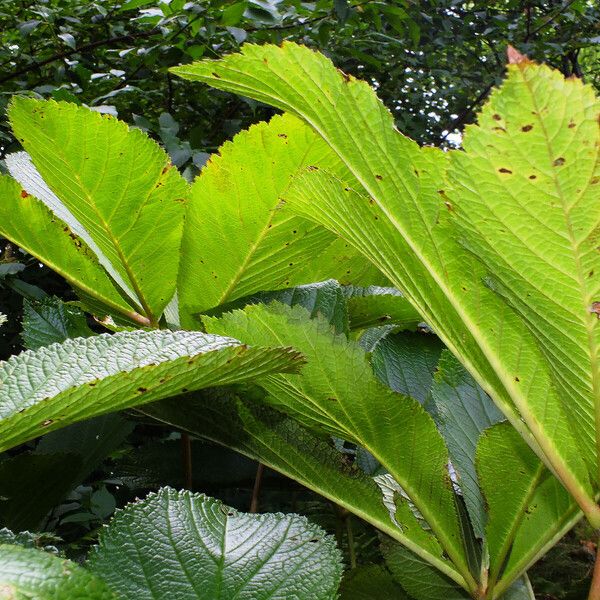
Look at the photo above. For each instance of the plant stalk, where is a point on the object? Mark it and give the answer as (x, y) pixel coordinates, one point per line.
(186, 451)
(256, 490)
(595, 587)
(350, 536)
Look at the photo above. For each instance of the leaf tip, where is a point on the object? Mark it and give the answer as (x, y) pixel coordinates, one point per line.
(515, 57)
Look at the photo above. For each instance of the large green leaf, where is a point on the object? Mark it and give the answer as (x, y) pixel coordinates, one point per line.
(117, 184)
(32, 226)
(63, 383)
(522, 497)
(188, 546)
(525, 193)
(238, 238)
(337, 392)
(29, 573)
(400, 217)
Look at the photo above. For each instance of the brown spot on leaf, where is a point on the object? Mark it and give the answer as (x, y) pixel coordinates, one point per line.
(216, 75)
(517, 379)
(504, 170)
(595, 309)
(527, 128)
(533, 177)
(24, 194)
(571, 124)
(282, 135)
(142, 390)
(378, 177)
(497, 117)
(559, 162)
(312, 168)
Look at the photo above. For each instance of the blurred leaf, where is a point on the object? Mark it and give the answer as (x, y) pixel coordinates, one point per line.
(28, 573)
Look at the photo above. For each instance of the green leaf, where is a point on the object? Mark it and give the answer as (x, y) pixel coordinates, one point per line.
(462, 411)
(374, 305)
(520, 590)
(325, 298)
(28, 223)
(27, 573)
(401, 217)
(528, 509)
(22, 169)
(233, 14)
(534, 156)
(118, 184)
(417, 577)
(236, 204)
(187, 546)
(406, 362)
(338, 393)
(64, 383)
(51, 320)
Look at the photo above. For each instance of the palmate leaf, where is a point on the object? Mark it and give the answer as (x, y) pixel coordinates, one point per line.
(235, 205)
(117, 184)
(81, 378)
(29, 573)
(338, 393)
(188, 546)
(401, 218)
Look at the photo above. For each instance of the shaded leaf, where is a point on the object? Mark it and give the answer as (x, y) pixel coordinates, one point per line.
(51, 320)
(235, 554)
